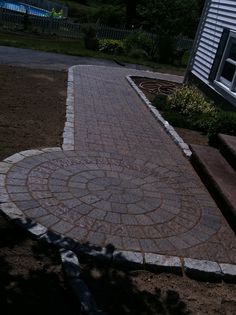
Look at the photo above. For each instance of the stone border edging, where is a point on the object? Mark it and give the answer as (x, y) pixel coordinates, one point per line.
(168, 128)
(71, 267)
(69, 128)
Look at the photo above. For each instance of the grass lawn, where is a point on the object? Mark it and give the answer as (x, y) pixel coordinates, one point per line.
(76, 48)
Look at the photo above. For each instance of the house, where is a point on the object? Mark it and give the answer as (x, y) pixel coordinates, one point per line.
(213, 59)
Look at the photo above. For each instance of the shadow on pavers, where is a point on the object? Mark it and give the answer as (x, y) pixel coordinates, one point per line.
(115, 292)
(31, 281)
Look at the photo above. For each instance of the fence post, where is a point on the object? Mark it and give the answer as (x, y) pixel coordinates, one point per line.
(1, 14)
(50, 25)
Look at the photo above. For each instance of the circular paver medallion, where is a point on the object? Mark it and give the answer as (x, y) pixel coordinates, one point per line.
(128, 202)
(103, 189)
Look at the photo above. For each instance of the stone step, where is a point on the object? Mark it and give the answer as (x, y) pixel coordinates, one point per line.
(227, 146)
(219, 177)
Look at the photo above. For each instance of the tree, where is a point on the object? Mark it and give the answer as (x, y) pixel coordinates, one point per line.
(172, 16)
(131, 12)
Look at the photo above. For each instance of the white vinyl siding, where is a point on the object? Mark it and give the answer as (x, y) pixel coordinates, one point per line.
(219, 14)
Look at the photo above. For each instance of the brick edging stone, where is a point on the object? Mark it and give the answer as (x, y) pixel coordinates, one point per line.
(69, 128)
(168, 128)
(71, 268)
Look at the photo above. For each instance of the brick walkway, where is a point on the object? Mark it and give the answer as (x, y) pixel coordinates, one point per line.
(126, 183)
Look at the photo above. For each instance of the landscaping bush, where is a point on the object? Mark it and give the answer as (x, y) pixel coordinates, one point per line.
(165, 48)
(197, 121)
(161, 102)
(137, 53)
(189, 102)
(138, 41)
(187, 108)
(90, 40)
(177, 109)
(177, 120)
(111, 46)
(89, 30)
(200, 122)
(222, 122)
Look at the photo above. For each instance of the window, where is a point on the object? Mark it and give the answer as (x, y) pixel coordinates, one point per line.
(226, 75)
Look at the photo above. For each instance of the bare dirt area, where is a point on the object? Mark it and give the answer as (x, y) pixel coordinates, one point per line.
(31, 280)
(32, 108)
(32, 115)
(144, 293)
(31, 277)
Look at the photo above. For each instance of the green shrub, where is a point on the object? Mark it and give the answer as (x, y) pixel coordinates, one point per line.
(160, 102)
(137, 53)
(90, 40)
(177, 120)
(188, 101)
(89, 30)
(138, 40)
(200, 122)
(179, 113)
(111, 46)
(165, 48)
(187, 108)
(91, 43)
(222, 122)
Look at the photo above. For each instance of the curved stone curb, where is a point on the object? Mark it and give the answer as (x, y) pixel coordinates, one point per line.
(68, 133)
(71, 268)
(168, 128)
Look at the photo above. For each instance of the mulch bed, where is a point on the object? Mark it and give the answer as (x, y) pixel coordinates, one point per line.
(31, 279)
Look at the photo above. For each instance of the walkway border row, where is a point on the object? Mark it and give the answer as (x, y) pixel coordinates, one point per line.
(168, 128)
(69, 128)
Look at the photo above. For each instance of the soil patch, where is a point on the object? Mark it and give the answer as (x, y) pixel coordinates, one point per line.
(140, 292)
(151, 88)
(32, 109)
(31, 277)
(32, 116)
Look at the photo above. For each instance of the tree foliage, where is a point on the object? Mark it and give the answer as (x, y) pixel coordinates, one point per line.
(172, 16)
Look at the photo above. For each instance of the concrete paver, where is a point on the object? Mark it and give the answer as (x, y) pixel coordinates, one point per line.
(126, 183)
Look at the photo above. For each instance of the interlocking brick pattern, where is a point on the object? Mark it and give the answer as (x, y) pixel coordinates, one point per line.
(126, 183)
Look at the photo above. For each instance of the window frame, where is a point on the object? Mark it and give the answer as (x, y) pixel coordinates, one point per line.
(229, 86)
